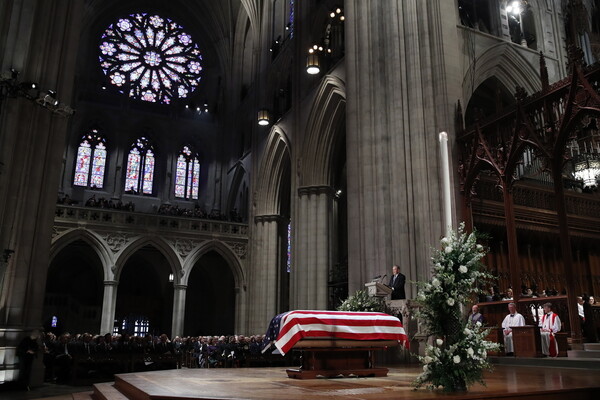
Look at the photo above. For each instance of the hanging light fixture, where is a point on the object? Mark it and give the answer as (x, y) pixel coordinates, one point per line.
(263, 117)
(171, 277)
(587, 169)
(312, 64)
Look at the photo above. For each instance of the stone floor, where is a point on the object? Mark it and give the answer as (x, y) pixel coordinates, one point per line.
(47, 391)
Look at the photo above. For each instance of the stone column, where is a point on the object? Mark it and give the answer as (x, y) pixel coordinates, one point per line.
(109, 304)
(32, 140)
(312, 249)
(265, 278)
(179, 293)
(402, 61)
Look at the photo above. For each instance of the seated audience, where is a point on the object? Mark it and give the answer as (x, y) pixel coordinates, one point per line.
(509, 294)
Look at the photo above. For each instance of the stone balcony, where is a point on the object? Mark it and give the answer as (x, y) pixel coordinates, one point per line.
(101, 218)
(118, 229)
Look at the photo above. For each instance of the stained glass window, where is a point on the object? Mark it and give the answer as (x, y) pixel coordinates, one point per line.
(188, 174)
(91, 161)
(291, 20)
(289, 247)
(150, 58)
(140, 168)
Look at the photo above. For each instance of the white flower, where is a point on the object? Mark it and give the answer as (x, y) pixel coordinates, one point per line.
(445, 241)
(462, 269)
(450, 301)
(470, 351)
(478, 323)
(484, 354)
(479, 247)
(467, 331)
(448, 249)
(456, 359)
(427, 359)
(435, 282)
(439, 342)
(425, 368)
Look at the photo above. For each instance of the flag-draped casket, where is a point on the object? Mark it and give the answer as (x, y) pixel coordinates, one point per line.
(286, 329)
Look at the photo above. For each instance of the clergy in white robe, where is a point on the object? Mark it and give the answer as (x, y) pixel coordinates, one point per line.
(549, 325)
(512, 319)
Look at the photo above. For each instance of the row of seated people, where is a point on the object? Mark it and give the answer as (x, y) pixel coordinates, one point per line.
(549, 326)
(589, 323)
(164, 209)
(84, 355)
(100, 202)
(197, 212)
(526, 292)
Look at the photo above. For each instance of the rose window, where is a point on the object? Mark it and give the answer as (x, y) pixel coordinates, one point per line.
(150, 58)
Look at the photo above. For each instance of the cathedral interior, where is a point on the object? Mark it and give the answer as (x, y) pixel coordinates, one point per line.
(195, 168)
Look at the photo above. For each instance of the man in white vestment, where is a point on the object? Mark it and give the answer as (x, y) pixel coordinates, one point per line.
(549, 325)
(512, 319)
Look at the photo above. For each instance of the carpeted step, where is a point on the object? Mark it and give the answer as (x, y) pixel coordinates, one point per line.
(107, 391)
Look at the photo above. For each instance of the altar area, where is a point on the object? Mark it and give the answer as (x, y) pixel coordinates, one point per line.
(504, 382)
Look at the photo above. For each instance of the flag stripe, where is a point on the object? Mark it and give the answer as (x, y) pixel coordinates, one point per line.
(296, 325)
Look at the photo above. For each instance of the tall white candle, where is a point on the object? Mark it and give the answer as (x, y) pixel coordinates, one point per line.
(445, 165)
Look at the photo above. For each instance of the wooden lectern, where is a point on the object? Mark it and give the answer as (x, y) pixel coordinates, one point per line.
(377, 289)
(526, 341)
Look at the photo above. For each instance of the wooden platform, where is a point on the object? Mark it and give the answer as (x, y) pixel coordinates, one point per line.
(506, 382)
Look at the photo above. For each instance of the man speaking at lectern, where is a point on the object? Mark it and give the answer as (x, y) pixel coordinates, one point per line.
(397, 284)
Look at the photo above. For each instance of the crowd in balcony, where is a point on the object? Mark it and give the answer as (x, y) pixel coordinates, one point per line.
(71, 357)
(197, 212)
(164, 209)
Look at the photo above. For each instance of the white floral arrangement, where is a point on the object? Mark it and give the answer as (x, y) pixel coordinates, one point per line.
(361, 301)
(458, 356)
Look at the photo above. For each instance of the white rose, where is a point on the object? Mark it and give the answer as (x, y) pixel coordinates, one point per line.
(478, 323)
(484, 354)
(445, 241)
(456, 359)
(435, 282)
(450, 302)
(479, 247)
(427, 359)
(439, 342)
(470, 351)
(462, 269)
(448, 249)
(467, 331)
(425, 368)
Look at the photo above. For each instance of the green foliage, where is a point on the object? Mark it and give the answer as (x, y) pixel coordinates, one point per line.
(459, 355)
(361, 301)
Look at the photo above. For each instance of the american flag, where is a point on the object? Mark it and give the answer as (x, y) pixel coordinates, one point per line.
(272, 331)
(288, 328)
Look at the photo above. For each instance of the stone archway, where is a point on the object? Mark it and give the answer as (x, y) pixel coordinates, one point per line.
(315, 229)
(144, 291)
(211, 297)
(74, 290)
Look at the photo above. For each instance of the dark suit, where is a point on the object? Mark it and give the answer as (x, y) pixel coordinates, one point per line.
(398, 285)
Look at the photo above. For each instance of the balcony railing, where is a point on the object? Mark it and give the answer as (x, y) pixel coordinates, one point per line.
(102, 217)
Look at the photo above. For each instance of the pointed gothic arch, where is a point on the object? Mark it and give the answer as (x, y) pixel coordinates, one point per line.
(327, 114)
(224, 251)
(175, 264)
(505, 63)
(276, 164)
(99, 246)
(240, 176)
